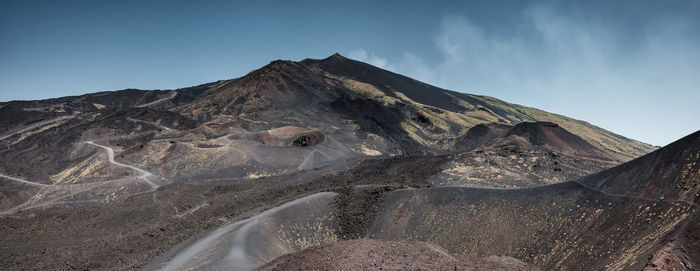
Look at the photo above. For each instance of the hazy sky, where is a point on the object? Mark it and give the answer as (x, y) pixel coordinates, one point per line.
(632, 67)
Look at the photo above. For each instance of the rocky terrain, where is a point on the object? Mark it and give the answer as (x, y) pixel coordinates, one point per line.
(525, 155)
(372, 254)
(304, 158)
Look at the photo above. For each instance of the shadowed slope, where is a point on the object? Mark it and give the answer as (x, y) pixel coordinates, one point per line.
(671, 173)
(527, 154)
(481, 135)
(560, 226)
(527, 135)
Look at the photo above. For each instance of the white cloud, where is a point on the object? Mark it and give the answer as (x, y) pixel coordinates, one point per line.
(645, 88)
(371, 58)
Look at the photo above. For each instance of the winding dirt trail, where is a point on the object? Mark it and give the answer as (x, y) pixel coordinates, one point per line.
(25, 181)
(172, 95)
(39, 124)
(110, 156)
(149, 123)
(73, 189)
(228, 247)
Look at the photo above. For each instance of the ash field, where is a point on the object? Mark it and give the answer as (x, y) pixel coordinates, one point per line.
(304, 163)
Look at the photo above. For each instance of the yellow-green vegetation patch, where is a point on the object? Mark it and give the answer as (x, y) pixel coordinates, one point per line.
(315, 231)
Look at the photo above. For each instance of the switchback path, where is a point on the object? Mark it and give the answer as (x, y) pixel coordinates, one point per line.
(73, 189)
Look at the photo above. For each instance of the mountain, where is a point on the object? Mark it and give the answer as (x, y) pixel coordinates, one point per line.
(247, 128)
(300, 154)
(367, 110)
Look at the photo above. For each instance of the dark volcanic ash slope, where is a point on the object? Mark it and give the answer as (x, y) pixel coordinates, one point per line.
(485, 134)
(556, 227)
(477, 109)
(135, 231)
(371, 254)
(652, 221)
(527, 135)
(524, 155)
(670, 173)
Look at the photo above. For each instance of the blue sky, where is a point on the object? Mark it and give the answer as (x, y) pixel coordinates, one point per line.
(632, 67)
